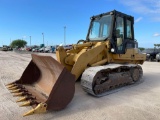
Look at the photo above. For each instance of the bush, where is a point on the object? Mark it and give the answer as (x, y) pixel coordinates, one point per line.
(18, 43)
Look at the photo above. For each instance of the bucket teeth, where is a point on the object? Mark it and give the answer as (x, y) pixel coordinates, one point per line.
(10, 86)
(40, 108)
(31, 112)
(13, 88)
(28, 97)
(27, 103)
(18, 94)
(15, 91)
(22, 99)
(19, 89)
(23, 93)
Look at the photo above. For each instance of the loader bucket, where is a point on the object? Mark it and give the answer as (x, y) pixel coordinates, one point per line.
(45, 85)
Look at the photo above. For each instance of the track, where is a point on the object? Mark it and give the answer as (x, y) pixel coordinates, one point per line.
(103, 80)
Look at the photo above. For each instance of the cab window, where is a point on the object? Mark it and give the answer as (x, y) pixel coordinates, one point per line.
(119, 27)
(129, 30)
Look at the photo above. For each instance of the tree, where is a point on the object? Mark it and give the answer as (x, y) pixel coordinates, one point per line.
(18, 43)
(141, 48)
(158, 45)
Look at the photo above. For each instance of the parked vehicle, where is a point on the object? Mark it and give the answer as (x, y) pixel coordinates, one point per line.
(29, 49)
(67, 47)
(35, 49)
(158, 57)
(151, 54)
(41, 49)
(6, 48)
(53, 49)
(48, 49)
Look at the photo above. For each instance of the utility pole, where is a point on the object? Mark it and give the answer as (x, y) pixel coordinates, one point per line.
(10, 41)
(43, 41)
(43, 37)
(64, 35)
(30, 41)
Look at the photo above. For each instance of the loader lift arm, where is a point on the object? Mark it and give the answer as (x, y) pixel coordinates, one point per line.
(82, 59)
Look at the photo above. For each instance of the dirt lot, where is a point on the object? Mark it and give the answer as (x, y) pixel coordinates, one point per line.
(139, 102)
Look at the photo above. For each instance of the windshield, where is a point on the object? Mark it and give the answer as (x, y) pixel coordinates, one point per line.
(100, 28)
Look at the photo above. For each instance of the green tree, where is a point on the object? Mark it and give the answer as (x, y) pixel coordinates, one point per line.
(155, 45)
(141, 48)
(158, 45)
(18, 43)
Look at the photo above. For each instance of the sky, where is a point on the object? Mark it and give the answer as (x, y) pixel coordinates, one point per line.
(20, 19)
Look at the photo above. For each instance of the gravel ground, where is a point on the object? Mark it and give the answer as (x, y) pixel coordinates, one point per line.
(139, 102)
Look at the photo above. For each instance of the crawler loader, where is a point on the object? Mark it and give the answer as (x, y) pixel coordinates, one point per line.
(108, 59)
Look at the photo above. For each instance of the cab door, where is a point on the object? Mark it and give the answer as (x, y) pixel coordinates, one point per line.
(119, 35)
(124, 35)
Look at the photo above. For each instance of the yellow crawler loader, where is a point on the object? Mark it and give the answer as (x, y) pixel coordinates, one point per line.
(108, 59)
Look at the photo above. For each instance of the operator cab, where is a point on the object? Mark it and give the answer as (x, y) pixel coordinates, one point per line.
(116, 27)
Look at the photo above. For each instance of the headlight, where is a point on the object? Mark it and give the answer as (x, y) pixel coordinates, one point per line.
(112, 49)
(157, 55)
(148, 54)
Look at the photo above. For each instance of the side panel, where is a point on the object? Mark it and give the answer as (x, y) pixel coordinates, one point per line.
(131, 56)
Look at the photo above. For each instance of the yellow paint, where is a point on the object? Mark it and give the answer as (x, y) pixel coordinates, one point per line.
(89, 54)
(41, 108)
